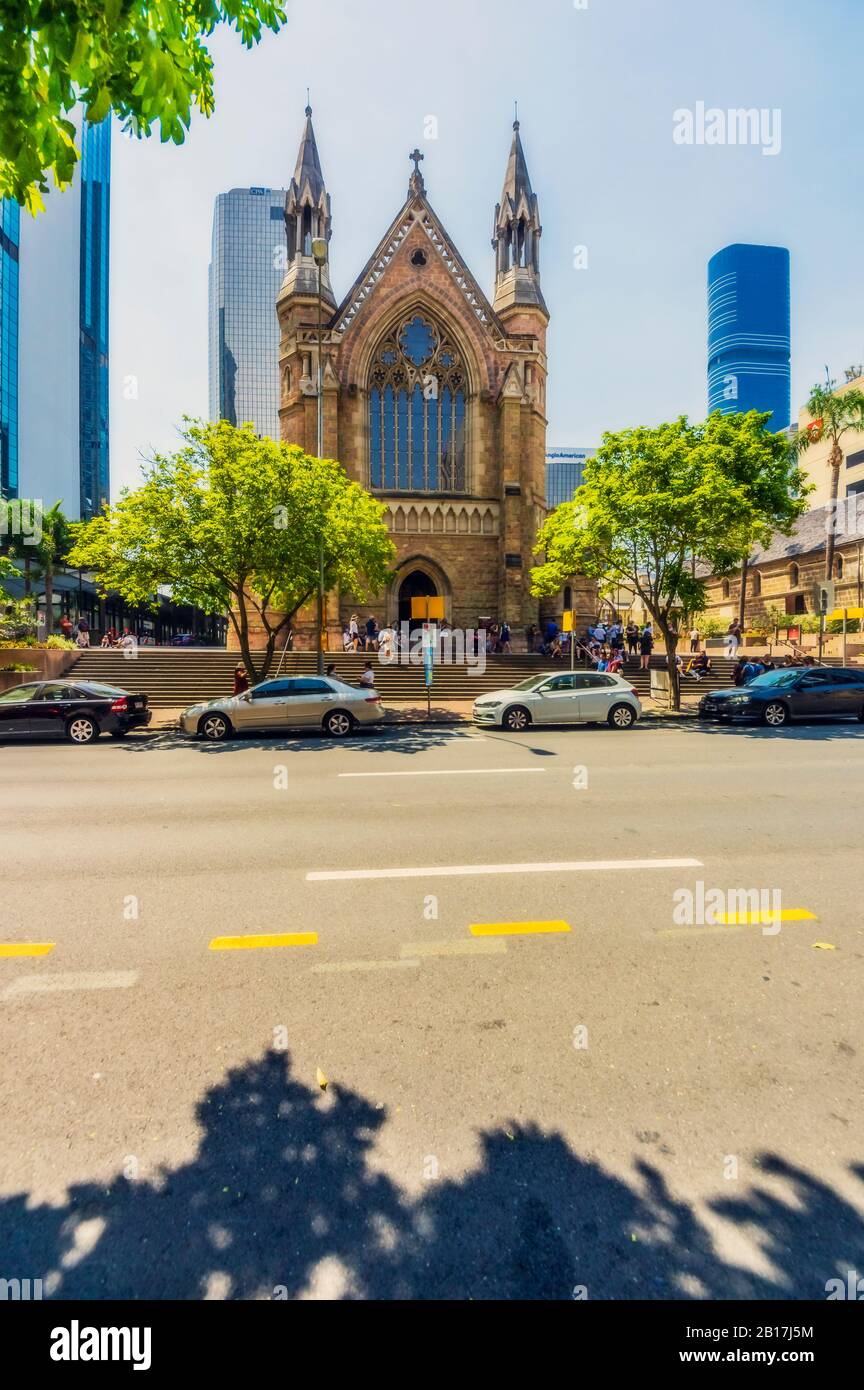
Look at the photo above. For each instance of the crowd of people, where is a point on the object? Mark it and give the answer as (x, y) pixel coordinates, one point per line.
(602, 646)
(366, 635)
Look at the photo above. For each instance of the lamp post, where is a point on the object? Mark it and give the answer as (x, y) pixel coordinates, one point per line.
(319, 255)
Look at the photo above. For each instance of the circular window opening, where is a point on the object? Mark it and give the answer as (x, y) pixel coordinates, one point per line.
(419, 258)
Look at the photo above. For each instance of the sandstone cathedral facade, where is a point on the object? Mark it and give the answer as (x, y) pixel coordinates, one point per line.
(434, 396)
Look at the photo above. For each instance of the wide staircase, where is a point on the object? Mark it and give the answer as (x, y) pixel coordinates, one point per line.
(173, 678)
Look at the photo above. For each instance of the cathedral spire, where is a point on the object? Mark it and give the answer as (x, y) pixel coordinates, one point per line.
(307, 215)
(308, 167)
(516, 235)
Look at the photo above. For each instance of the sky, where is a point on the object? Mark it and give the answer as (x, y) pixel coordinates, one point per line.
(598, 84)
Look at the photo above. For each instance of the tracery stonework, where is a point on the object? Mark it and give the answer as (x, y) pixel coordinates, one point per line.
(434, 398)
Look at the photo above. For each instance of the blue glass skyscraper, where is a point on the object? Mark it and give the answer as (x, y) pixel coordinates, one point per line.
(93, 314)
(9, 239)
(247, 267)
(749, 332)
(565, 470)
(63, 336)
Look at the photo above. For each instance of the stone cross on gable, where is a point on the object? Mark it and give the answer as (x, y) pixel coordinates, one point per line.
(416, 183)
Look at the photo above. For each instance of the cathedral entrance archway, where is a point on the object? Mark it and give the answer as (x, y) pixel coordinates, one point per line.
(417, 584)
(418, 576)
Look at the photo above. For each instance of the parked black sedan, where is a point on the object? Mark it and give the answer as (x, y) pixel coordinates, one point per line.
(793, 692)
(77, 710)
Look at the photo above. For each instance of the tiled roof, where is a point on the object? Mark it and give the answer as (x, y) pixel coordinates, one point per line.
(809, 537)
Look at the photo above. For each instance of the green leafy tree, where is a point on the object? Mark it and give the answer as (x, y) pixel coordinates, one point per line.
(145, 60)
(833, 416)
(233, 523)
(655, 498)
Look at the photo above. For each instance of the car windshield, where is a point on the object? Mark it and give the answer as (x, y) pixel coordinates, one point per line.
(530, 683)
(775, 678)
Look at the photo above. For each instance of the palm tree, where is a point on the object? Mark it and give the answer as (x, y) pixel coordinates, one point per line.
(833, 415)
(51, 553)
(42, 560)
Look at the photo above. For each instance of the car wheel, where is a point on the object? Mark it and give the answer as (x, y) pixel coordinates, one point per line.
(215, 728)
(775, 715)
(82, 729)
(517, 719)
(622, 717)
(338, 724)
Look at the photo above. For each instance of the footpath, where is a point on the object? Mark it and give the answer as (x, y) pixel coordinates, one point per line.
(459, 712)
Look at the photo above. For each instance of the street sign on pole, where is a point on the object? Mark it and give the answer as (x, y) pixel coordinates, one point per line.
(430, 637)
(568, 625)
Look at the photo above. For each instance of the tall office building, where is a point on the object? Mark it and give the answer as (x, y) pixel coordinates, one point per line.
(63, 340)
(9, 238)
(565, 470)
(247, 267)
(749, 332)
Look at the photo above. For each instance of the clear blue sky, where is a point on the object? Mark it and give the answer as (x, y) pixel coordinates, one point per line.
(597, 88)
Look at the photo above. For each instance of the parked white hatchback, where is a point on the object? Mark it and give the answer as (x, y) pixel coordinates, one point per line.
(572, 697)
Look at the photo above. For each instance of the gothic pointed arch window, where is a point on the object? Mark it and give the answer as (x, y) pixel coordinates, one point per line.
(418, 411)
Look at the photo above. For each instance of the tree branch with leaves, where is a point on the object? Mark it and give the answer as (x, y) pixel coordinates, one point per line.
(145, 60)
(232, 523)
(655, 497)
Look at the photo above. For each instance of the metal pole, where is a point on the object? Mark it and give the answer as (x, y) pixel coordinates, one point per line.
(320, 455)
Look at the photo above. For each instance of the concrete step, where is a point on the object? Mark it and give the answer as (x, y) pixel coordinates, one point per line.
(174, 678)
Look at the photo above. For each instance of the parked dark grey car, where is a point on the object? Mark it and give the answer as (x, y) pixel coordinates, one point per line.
(792, 692)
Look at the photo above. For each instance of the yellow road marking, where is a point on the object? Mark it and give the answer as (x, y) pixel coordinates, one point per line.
(427, 949)
(521, 929)
(25, 948)
(764, 919)
(263, 943)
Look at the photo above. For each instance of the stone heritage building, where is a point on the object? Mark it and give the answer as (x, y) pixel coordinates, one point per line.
(434, 397)
(786, 574)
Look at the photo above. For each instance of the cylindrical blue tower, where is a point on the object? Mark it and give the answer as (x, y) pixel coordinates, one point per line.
(748, 332)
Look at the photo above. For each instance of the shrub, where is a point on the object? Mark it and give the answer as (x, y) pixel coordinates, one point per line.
(711, 627)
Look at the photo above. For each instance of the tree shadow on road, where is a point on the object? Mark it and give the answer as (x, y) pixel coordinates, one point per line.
(801, 731)
(282, 1200)
(406, 739)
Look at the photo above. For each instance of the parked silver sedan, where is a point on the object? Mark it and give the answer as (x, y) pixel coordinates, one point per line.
(296, 702)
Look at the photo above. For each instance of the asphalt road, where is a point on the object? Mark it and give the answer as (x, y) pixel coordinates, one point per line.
(624, 1106)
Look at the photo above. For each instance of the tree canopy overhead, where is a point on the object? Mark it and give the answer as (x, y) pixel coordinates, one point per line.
(232, 523)
(145, 60)
(656, 500)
